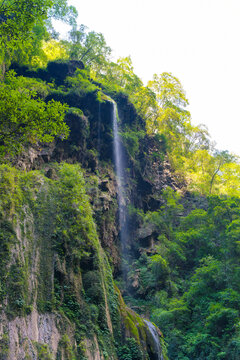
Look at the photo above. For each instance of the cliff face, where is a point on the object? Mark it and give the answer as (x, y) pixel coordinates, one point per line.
(58, 299)
(60, 239)
(57, 294)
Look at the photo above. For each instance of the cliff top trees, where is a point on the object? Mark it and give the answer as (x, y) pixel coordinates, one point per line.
(24, 24)
(26, 118)
(89, 47)
(169, 91)
(17, 18)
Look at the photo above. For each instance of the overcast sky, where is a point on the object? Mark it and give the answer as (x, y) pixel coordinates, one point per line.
(196, 40)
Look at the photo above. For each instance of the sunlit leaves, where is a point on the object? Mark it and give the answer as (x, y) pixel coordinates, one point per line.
(50, 50)
(60, 10)
(24, 24)
(89, 47)
(212, 173)
(25, 118)
(17, 20)
(230, 175)
(169, 91)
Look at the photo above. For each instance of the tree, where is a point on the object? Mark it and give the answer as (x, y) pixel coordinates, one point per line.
(221, 157)
(230, 176)
(25, 118)
(17, 18)
(89, 47)
(172, 120)
(199, 139)
(124, 76)
(120, 76)
(205, 172)
(50, 51)
(144, 101)
(169, 92)
(60, 10)
(25, 23)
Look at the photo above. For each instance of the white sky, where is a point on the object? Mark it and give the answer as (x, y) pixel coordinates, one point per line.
(198, 41)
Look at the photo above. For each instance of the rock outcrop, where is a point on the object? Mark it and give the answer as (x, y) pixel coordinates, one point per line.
(60, 236)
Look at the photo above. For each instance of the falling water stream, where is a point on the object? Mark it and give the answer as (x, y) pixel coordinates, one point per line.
(99, 132)
(118, 153)
(121, 182)
(155, 337)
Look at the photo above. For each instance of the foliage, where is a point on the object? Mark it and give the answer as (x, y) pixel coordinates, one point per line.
(162, 104)
(89, 47)
(81, 83)
(4, 344)
(122, 75)
(130, 351)
(25, 118)
(131, 140)
(205, 171)
(169, 92)
(56, 215)
(17, 21)
(191, 285)
(24, 24)
(60, 10)
(51, 50)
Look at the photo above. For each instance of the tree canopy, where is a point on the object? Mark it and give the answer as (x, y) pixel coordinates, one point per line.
(25, 23)
(26, 118)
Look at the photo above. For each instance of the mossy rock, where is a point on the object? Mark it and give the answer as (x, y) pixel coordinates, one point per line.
(133, 324)
(60, 69)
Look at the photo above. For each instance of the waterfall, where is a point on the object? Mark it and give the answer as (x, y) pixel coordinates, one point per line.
(155, 337)
(118, 153)
(119, 163)
(99, 132)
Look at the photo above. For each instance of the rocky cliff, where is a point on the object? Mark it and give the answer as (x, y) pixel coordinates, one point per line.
(60, 236)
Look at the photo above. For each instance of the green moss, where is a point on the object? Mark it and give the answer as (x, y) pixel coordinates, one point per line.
(7, 239)
(43, 351)
(131, 327)
(164, 348)
(82, 82)
(17, 287)
(10, 191)
(133, 323)
(65, 349)
(4, 345)
(112, 297)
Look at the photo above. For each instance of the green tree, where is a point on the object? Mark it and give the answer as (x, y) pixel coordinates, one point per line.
(89, 47)
(25, 23)
(144, 101)
(172, 120)
(205, 171)
(169, 92)
(60, 10)
(17, 19)
(230, 178)
(25, 118)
